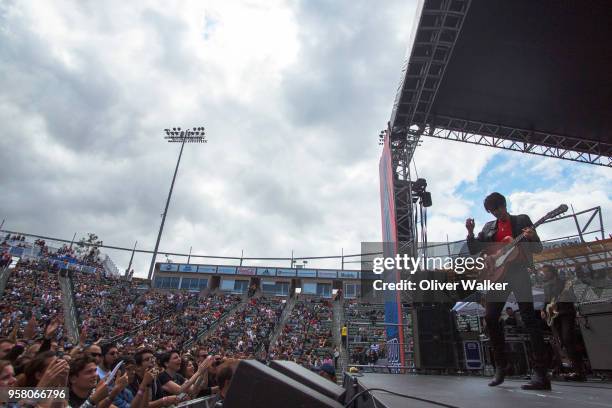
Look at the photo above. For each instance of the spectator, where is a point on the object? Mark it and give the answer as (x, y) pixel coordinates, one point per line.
(188, 367)
(126, 375)
(110, 353)
(170, 383)
(511, 319)
(95, 352)
(224, 377)
(35, 369)
(7, 374)
(6, 346)
(336, 357)
(83, 379)
(144, 361)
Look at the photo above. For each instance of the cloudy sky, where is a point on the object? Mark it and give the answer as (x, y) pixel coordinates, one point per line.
(292, 95)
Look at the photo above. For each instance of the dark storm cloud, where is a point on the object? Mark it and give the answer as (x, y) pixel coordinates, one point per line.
(77, 105)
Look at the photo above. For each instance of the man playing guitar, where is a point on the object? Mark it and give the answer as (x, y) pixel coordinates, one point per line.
(563, 324)
(517, 277)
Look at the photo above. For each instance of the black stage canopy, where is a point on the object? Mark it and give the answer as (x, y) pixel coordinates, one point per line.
(527, 75)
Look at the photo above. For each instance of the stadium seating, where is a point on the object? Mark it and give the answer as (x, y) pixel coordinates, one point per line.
(246, 333)
(307, 336)
(362, 334)
(32, 290)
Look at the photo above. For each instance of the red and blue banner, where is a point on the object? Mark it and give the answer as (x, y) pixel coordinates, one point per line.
(393, 304)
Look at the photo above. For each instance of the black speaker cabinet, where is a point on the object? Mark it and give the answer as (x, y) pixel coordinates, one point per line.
(596, 329)
(255, 385)
(434, 337)
(426, 199)
(310, 379)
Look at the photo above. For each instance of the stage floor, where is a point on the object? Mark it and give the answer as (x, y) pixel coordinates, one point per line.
(473, 392)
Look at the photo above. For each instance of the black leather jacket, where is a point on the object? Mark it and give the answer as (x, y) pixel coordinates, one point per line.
(518, 222)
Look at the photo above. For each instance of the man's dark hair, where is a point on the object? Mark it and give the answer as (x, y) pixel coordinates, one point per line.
(138, 356)
(127, 360)
(165, 357)
(78, 364)
(494, 201)
(107, 347)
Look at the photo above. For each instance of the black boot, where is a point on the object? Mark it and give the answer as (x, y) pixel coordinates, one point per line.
(539, 381)
(499, 377)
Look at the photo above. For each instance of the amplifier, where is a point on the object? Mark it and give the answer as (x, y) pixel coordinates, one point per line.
(596, 327)
(434, 337)
(591, 308)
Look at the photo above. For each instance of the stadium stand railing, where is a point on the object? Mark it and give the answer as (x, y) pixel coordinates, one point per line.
(282, 321)
(71, 317)
(4, 275)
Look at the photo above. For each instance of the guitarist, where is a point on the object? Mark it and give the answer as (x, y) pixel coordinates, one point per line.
(564, 325)
(518, 279)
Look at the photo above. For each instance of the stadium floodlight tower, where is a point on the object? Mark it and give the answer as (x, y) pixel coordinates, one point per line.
(176, 135)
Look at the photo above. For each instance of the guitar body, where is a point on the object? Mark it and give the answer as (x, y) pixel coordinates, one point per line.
(552, 310)
(551, 313)
(497, 257)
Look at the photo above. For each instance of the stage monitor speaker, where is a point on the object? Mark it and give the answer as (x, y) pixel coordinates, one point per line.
(426, 199)
(310, 379)
(596, 329)
(255, 385)
(434, 337)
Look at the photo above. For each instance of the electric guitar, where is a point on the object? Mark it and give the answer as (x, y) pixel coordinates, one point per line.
(552, 310)
(497, 256)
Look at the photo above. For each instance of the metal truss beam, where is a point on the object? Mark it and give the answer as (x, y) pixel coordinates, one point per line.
(433, 43)
(431, 48)
(520, 140)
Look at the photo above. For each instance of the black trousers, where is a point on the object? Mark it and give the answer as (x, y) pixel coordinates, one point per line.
(564, 330)
(520, 284)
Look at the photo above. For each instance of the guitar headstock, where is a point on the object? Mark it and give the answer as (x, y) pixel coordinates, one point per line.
(552, 214)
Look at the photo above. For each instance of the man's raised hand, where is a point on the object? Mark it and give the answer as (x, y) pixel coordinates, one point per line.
(470, 224)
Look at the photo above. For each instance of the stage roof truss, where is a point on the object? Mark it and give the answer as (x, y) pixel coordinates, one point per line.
(520, 140)
(448, 33)
(434, 40)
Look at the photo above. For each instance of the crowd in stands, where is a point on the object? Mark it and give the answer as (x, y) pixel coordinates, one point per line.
(145, 331)
(186, 316)
(307, 336)
(32, 293)
(136, 345)
(14, 240)
(111, 306)
(247, 332)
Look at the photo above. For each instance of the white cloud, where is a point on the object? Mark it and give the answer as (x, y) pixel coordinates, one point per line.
(590, 187)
